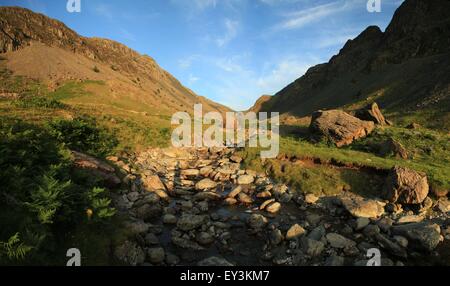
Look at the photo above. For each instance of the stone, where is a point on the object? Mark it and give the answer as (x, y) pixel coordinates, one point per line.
(339, 127)
(335, 261)
(266, 203)
(391, 146)
(295, 231)
(189, 222)
(444, 205)
(311, 247)
(410, 219)
(151, 239)
(371, 230)
(273, 208)
(153, 183)
(204, 238)
(339, 241)
(236, 191)
(172, 259)
(156, 255)
(245, 180)
(236, 159)
(244, 198)
(276, 237)
(372, 113)
(402, 241)
(190, 173)
(130, 253)
(264, 195)
(361, 223)
(169, 219)
(311, 199)
(257, 221)
(406, 186)
(186, 243)
(317, 233)
(230, 201)
(390, 246)
(215, 261)
(97, 167)
(205, 184)
(133, 196)
(148, 212)
(422, 236)
(362, 208)
(137, 227)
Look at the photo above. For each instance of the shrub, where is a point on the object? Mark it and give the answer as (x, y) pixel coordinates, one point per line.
(84, 135)
(39, 102)
(96, 69)
(40, 198)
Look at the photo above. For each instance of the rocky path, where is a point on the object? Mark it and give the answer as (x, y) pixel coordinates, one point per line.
(199, 207)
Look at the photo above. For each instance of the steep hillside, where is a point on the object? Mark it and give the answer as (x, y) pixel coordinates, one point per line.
(406, 69)
(38, 47)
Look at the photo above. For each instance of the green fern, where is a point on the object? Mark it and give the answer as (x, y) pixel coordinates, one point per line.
(14, 249)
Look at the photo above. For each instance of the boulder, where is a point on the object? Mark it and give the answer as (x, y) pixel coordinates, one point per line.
(406, 186)
(339, 126)
(245, 180)
(294, 232)
(205, 184)
(257, 221)
(130, 253)
(96, 167)
(153, 183)
(338, 241)
(372, 113)
(362, 208)
(189, 222)
(156, 255)
(421, 236)
(393, 147)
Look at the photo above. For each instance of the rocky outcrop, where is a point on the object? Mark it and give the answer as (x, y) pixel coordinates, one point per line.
(406, 186)
(339, 126)
(372, 113)
(392, 147)
(96, 167)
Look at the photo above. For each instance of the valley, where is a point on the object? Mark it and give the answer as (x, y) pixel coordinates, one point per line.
(86, 157)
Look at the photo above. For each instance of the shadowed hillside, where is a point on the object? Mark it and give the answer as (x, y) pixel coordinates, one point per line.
(406, 69)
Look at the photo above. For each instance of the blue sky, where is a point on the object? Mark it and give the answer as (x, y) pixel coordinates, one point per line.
(231, 51)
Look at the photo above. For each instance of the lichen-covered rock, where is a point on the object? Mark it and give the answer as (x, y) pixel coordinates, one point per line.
(339, 126)
(406, 186)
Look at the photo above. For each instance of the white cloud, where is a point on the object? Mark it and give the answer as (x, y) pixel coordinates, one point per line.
(231, 29)
(192, 79)
(193, 7)
(104, 10)
(301, 18)
(282, 73)
(187, 62)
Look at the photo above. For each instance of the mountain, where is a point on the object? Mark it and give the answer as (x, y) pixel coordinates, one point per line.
(41, 48)
(406, 69)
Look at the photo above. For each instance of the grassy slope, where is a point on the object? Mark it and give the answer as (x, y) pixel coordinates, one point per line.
(429, 151)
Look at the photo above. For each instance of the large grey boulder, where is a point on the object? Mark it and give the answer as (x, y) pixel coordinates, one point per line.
(339, 126)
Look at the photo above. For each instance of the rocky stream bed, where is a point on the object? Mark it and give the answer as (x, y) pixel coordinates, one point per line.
(199, 207)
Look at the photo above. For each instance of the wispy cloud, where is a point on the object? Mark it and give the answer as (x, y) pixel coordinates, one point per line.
(231, 29)
(127, 35)
(104, 11)
(301, 18)
(192, 79)
(187, 62)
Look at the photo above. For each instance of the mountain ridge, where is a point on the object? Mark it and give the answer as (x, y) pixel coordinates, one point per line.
(405, 69)
(123, 69)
